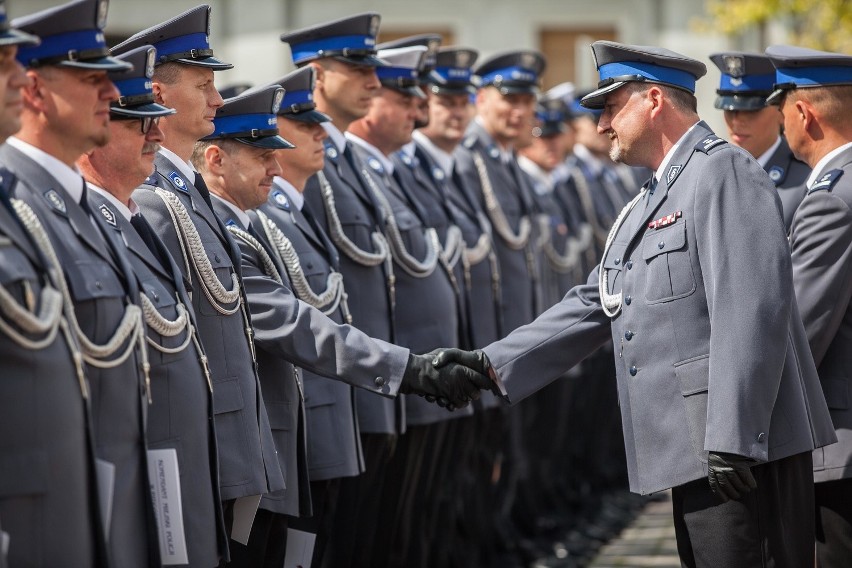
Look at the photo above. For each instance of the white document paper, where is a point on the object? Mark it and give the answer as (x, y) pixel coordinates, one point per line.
(300, 549)
(4, 543)
(106, 491)
(245, 509)
(164, 475)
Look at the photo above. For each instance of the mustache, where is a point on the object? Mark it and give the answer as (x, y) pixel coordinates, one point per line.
(150, 147)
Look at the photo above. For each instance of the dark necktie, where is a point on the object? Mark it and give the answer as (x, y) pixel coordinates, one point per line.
(201, 186)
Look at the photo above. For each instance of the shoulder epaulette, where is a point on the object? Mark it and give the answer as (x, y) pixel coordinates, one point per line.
(709, 142)
(826, 181)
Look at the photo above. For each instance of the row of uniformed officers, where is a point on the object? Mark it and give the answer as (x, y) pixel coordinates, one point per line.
(182, 384)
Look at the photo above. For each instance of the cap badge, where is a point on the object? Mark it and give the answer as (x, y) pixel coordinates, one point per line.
(735, 65)
(103, 8)
(374, 25)
(462, 59)
(276, 102)
(149, 62)
(528, 60)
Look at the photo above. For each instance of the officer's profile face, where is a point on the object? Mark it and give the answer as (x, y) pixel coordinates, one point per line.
(12, 79)
(505, 116)
(345, 89)
(193, 94)
(307, 158)
(74, 104)
(390, 121)
(449, 116)
(586, 129)
(246, 172)
(755, 131)
(624, 120)
(422, 108)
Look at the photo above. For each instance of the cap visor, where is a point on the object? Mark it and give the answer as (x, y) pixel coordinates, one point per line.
(209, 62)
(17, 37)
(739, 102)
(267, 142)
(776, 96)
(516, 89)
(142, 111)
(597, 98)
(308, 116)
(106, 63)
(362, 60)
(414, 91)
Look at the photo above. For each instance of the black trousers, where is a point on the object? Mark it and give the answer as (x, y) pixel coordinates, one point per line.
(771, 526)
(267, 543)
(834, 523)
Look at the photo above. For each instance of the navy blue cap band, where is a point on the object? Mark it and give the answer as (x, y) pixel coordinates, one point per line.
(69, 46)
(747, 83)
(134, 86)
(355, 44)
(453, 74)
(814, 76)
(397, 73)
(516, 74)
(245, 126)
(296, 101)
(189, 45)
(667, 75)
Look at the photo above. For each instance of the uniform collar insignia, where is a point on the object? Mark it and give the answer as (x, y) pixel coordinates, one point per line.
(108, 215)
(673, 171)
(438, 173)
(776, 174)
(281, 200)
(331, 151)
(375, 164)
(56, 201)
(178, 182)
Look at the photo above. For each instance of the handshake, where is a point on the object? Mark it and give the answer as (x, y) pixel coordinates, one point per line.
(450, 377)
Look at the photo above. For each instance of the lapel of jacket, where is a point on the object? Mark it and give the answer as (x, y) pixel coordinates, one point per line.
(700, 135)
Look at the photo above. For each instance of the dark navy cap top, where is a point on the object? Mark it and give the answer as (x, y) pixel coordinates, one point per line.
(137, 96)
(234, 89)
(351, 40)
(183, 39)
(747, 79)
(250, 118)
(512, 71)
(799, 67)
(619, 64)
(551, 113)
(402, 72)
(72, 35)
(9, 36)
(298, 102)
(452, 74)
(432, 42)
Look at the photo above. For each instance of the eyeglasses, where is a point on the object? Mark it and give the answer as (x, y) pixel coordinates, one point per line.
(146, 123)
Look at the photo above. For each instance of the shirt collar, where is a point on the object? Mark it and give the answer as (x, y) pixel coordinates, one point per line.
(294, 195)
(506, 154)
(387, 164)
(820, 166)
(123, 209)
(185, 167)
(658, 175)
(444, 160)
(764, 158)
(335, 135)
(69, 178)
(238, 213)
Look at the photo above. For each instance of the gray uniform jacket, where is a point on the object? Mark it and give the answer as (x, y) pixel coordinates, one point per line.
(247, 461)
(48, 493)
(180, 416)
(425, 315)
(99, 281)
(289, 330)
(789, 175)
(367, 286)
(514, 196)
(711, 354)
(334, 443)
(821, 244)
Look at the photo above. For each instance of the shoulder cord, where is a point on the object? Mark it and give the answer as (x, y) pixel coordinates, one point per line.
(268, 266)
(611, 303)
(350, 249)
(129, 331)
(412, 266)
(452, 251)
(495, 212)
(188, 237)
(585, 195)
(327, 301)
(44, 324)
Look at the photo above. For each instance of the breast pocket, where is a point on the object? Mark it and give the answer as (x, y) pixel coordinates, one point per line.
(357, 224)
(668, 264)
(15, 271)
(412, 233)
(92, 280)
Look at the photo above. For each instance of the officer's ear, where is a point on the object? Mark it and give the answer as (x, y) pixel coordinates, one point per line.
(804, 112)
(319, 73)
(36, 93)
(214, 160)
(655, 97)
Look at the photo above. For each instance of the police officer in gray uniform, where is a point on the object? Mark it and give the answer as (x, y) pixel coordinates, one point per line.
(239, 157)
(70, 69)
(815, 95)
(343, 54)
(747, 80)
(48, 494)
(703, 395)
(180, 416)
(176, 203)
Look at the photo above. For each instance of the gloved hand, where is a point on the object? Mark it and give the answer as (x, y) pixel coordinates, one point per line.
(730, 475)
(452, 386)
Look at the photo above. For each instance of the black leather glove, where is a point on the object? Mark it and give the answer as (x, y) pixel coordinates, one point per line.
(452, 386)
(730, 475)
